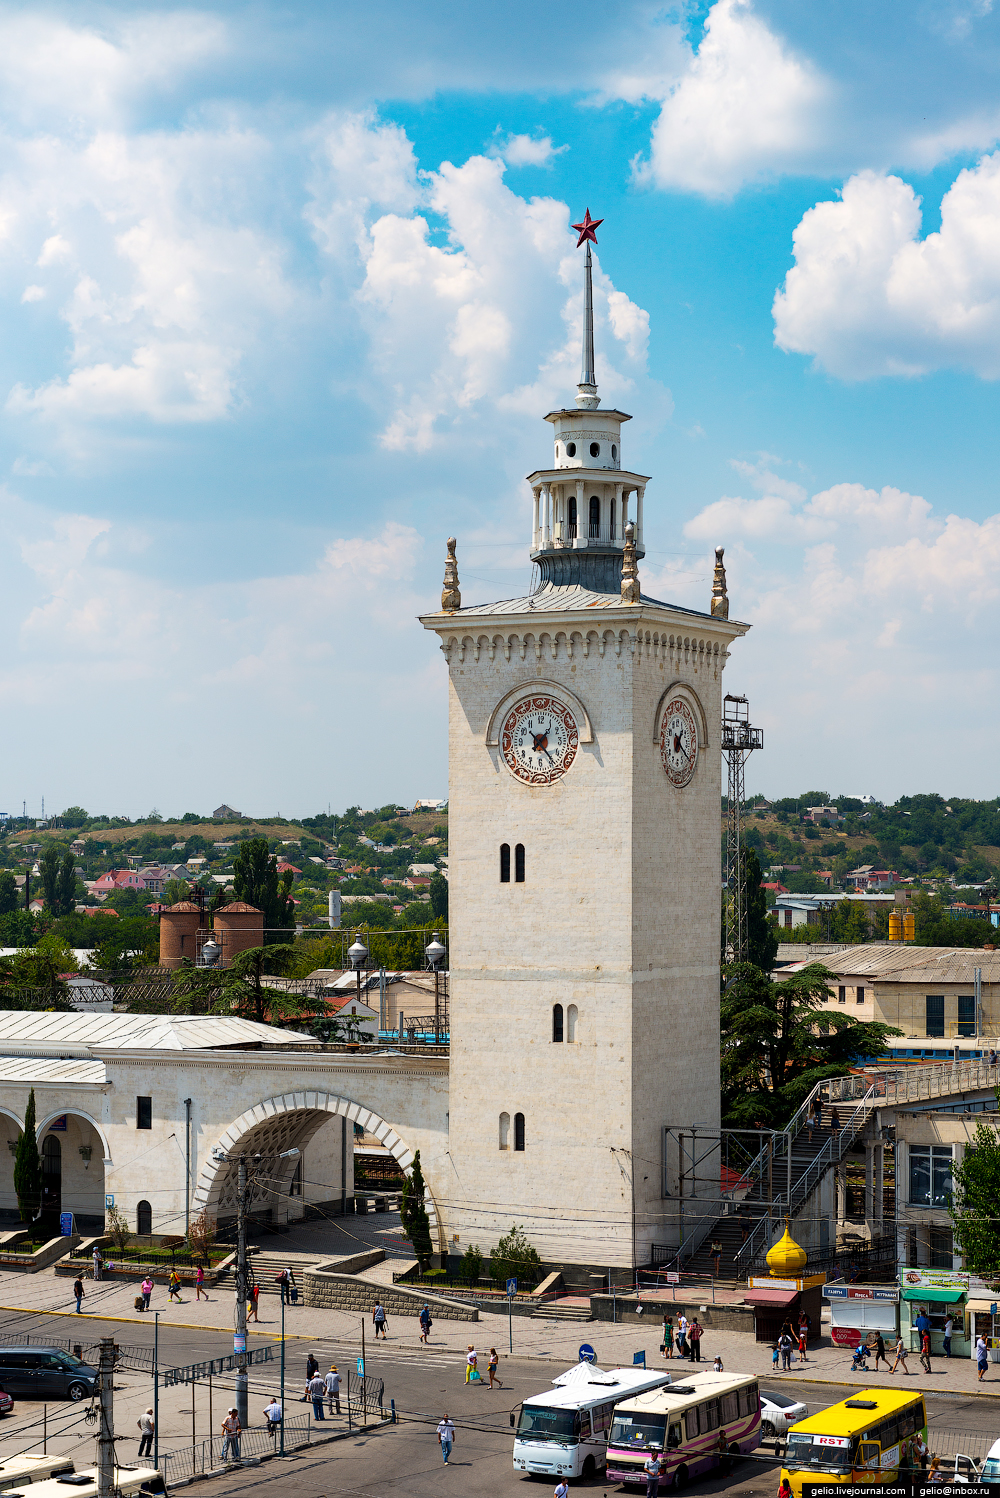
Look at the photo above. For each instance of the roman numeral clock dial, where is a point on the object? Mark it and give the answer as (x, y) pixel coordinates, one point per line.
(539, 740)
(678, 742)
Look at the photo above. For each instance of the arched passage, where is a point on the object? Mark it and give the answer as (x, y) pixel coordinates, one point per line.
(73, 1147)
(282, 1123)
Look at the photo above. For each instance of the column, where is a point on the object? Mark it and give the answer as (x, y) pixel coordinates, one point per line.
(534, 519)
(617, 514)
(638, 514)
(841, 1173)
(869, 1182)
(546, 514)
(879, 1186)
(582, 512)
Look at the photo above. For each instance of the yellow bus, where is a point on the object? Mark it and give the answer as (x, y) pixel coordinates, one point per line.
(866, 1438)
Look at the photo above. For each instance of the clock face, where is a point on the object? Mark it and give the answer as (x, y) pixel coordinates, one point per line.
(539, 740)
(678, 742)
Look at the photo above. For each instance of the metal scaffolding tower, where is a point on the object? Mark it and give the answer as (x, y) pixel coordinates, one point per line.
(739, 741)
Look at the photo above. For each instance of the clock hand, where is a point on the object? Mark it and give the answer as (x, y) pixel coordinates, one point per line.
(679, 746)
(548, 756)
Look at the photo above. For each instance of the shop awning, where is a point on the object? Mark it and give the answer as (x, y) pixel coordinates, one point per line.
(981, 1305)
(934, 1292)
(770, 1297)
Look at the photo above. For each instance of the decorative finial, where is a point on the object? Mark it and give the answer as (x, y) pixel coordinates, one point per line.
(630, 570)
(720, 598)
(587, 397)
(451, 598)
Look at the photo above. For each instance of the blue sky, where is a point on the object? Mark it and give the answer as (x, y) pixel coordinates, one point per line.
(286, 291)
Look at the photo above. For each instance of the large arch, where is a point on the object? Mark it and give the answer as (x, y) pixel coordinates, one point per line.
(286, 1122)
(43, 1124)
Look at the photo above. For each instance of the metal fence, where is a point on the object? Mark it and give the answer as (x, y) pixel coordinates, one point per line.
(137, 1359)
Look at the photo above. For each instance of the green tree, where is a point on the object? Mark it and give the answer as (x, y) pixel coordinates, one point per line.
(74, 816)
(117, 1228)
(976, 1192)
(256, 880)
(413, 1213)
(174, 891)
(439, 895)
(470, 1265)
(776, 1046)
(66, 886)
(515, 1258)
(241, 989)
(28, 1167)
(48, 866)
(762, 938)
(8, 892)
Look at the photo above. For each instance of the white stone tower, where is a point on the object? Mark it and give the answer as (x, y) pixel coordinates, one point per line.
(584, 838)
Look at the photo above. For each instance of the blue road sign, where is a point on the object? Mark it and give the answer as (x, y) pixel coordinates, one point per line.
(512, 1287)
(993, 1307)
(639, 1360)
(587, 1353)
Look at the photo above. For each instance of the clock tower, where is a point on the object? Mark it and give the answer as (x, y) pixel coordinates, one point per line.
(584, 896)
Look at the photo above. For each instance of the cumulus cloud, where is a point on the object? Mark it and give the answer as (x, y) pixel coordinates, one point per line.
(868, 296)
(526, 150)
(744, 107)
(864, 604)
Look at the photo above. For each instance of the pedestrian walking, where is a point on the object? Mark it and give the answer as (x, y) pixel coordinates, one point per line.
(880, 1352)
(785, 1347)
(425, 1322)
(174, 1285)
(785, 1489)
(332, 1382)
(715, 1253)
(78, 1292)
(834, 1127)
(694, 1338)
(493, 1365)
(815, 1116)
(199, 1283)
(991, 1059)
(317, 1393)
(471, 1366)
(231, 1432)
(272, 1414)
(312, 1366)
(446, 1437)
(284, 1279)
(901, 1356)
(146, 1430)
(561, 1489)
(652, 1468)
(98, 1265)
(147, 1290)
(378, 1318)
(252, 1302)
(805, 1325)
(667, 1345)
(682, 1332)
(775, 1356)
(925, 1351)
(982, 1356)
(717, 1365)
(802, 1348)
(949, 1327)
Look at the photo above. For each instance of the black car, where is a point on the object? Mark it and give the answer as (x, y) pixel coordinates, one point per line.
(6, 1403)
(45, 1373)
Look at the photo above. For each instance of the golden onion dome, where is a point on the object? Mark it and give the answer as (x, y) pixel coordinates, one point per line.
(786, 1258)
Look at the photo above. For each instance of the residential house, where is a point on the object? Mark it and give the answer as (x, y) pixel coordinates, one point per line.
(818, 814)
(284, 866)
(226, 813)
(429, 805)
(420, 869)
(117, 879)
(774, 888)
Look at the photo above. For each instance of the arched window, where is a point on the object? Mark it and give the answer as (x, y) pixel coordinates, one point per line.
(572, 517)
(571, 449)
(505, 863)
(505, 1131)
(572, 1015)
(595, 516)
(519, 864)
(614, 452)
(144, 1219)
(557, 1023)
(519, 1131)
(595, 449)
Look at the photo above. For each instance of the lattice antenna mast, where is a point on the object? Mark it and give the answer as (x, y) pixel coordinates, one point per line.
(739, 740)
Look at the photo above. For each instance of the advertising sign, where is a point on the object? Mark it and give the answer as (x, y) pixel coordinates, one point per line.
(938, 1279)
(843, 1291)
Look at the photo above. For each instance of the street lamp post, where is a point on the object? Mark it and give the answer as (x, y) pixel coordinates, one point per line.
(358, 954)
(434, 951)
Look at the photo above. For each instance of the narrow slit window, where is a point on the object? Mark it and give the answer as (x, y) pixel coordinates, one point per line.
(519, 1131)
(557, 1023)
(595, 517)
(144, 1112)
(572, 1015)
(572, 517)
(505, 863)
(505, 1131)
(519, 864)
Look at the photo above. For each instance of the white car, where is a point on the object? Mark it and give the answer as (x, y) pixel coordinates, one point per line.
(778, 1413)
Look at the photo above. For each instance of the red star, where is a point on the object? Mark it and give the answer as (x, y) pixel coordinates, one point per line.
(587, 229)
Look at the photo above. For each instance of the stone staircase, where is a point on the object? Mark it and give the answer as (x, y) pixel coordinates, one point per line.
(567, 1308)
(265, 1267)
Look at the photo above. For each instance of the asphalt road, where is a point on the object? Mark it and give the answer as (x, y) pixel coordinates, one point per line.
(398, 1460)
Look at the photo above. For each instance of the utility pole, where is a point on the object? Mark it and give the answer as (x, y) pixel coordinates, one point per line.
(242, 1287)
(106, 1438)
(739, 740)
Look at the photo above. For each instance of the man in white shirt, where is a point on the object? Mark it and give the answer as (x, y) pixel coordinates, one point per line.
(332, 1382)
(949, 1327)
(562, 1489)
(652, 1468)
(446, 1437)
(146, 1429)
(317, 1393)
(272, 1414)
(682, 1336)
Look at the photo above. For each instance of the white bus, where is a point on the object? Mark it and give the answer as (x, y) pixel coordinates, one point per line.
(22, 1471)
(697, 1425)
(564, 1431)
(131, 1482)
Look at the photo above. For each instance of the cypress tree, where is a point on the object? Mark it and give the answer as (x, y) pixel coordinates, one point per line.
(413, 1213)
(28, 1167)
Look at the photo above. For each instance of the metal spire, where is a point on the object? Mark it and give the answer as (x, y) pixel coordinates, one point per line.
(587, 388)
